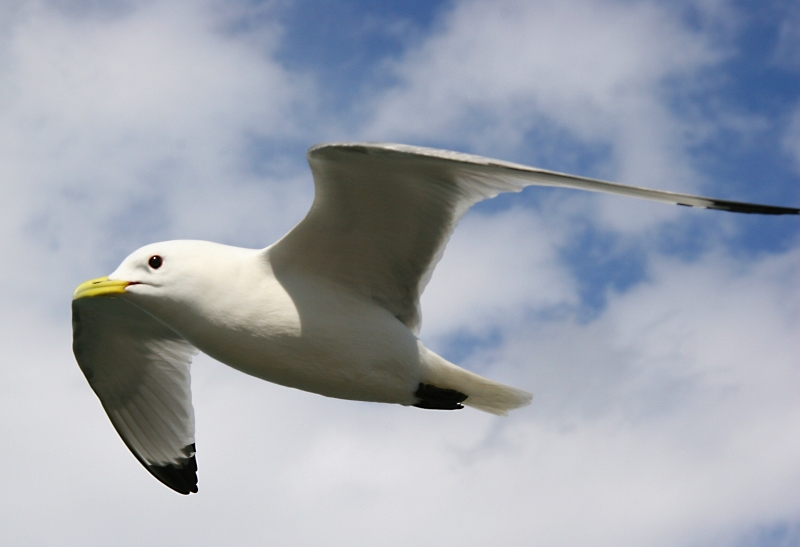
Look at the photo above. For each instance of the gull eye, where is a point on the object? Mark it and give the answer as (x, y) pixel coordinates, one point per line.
(155, 262)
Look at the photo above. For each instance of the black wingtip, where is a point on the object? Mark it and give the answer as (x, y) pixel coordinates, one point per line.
(181, 477)
(437, 398)
(750, 208)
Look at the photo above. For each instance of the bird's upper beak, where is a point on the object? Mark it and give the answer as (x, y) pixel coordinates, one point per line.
(102, 286)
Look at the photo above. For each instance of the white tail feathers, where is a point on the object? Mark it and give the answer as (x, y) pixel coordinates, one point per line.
(497, 398)
(482, 393)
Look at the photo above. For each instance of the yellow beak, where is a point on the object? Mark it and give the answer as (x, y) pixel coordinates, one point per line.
(102, 286)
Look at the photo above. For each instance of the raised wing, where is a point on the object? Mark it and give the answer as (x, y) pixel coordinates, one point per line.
(139, 368)
(383, 213)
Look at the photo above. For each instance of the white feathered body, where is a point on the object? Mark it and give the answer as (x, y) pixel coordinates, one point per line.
(302, 332)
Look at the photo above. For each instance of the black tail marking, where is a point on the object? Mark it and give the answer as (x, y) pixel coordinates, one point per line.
(437, 398)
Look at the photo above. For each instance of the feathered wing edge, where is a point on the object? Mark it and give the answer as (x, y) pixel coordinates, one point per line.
(496, 176)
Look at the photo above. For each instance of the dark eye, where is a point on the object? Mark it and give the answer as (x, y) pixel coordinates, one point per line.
(155, 262)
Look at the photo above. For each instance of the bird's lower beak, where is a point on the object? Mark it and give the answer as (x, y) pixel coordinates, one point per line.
(102, 286)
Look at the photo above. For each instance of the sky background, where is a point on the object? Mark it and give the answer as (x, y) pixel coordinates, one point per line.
(662, 344)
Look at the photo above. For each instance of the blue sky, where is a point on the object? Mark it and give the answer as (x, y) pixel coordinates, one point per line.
(661, 344)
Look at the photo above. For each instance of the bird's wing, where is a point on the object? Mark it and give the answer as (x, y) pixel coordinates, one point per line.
(384, 212)
(139, 368)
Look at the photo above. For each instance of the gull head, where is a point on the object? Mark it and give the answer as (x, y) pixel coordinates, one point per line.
(170, 274)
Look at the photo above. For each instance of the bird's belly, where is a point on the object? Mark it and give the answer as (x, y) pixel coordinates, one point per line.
(368, 355)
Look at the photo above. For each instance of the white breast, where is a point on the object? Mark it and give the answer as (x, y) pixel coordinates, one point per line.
(303, 332)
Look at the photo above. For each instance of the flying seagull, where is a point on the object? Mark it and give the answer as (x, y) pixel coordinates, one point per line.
(331, 308)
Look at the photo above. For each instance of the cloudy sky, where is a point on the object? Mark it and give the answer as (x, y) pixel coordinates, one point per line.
(662, 344)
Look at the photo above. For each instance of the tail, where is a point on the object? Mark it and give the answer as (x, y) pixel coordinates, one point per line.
(481, 393)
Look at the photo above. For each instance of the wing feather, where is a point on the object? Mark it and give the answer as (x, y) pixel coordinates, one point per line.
(383, 213)
(140, 370)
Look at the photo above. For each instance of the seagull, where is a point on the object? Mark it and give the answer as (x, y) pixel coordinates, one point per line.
(331, 308)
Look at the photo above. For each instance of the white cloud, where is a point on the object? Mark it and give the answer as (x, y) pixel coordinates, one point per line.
(498, 268)
(668, 419)
(113, 130)
(598, 70)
